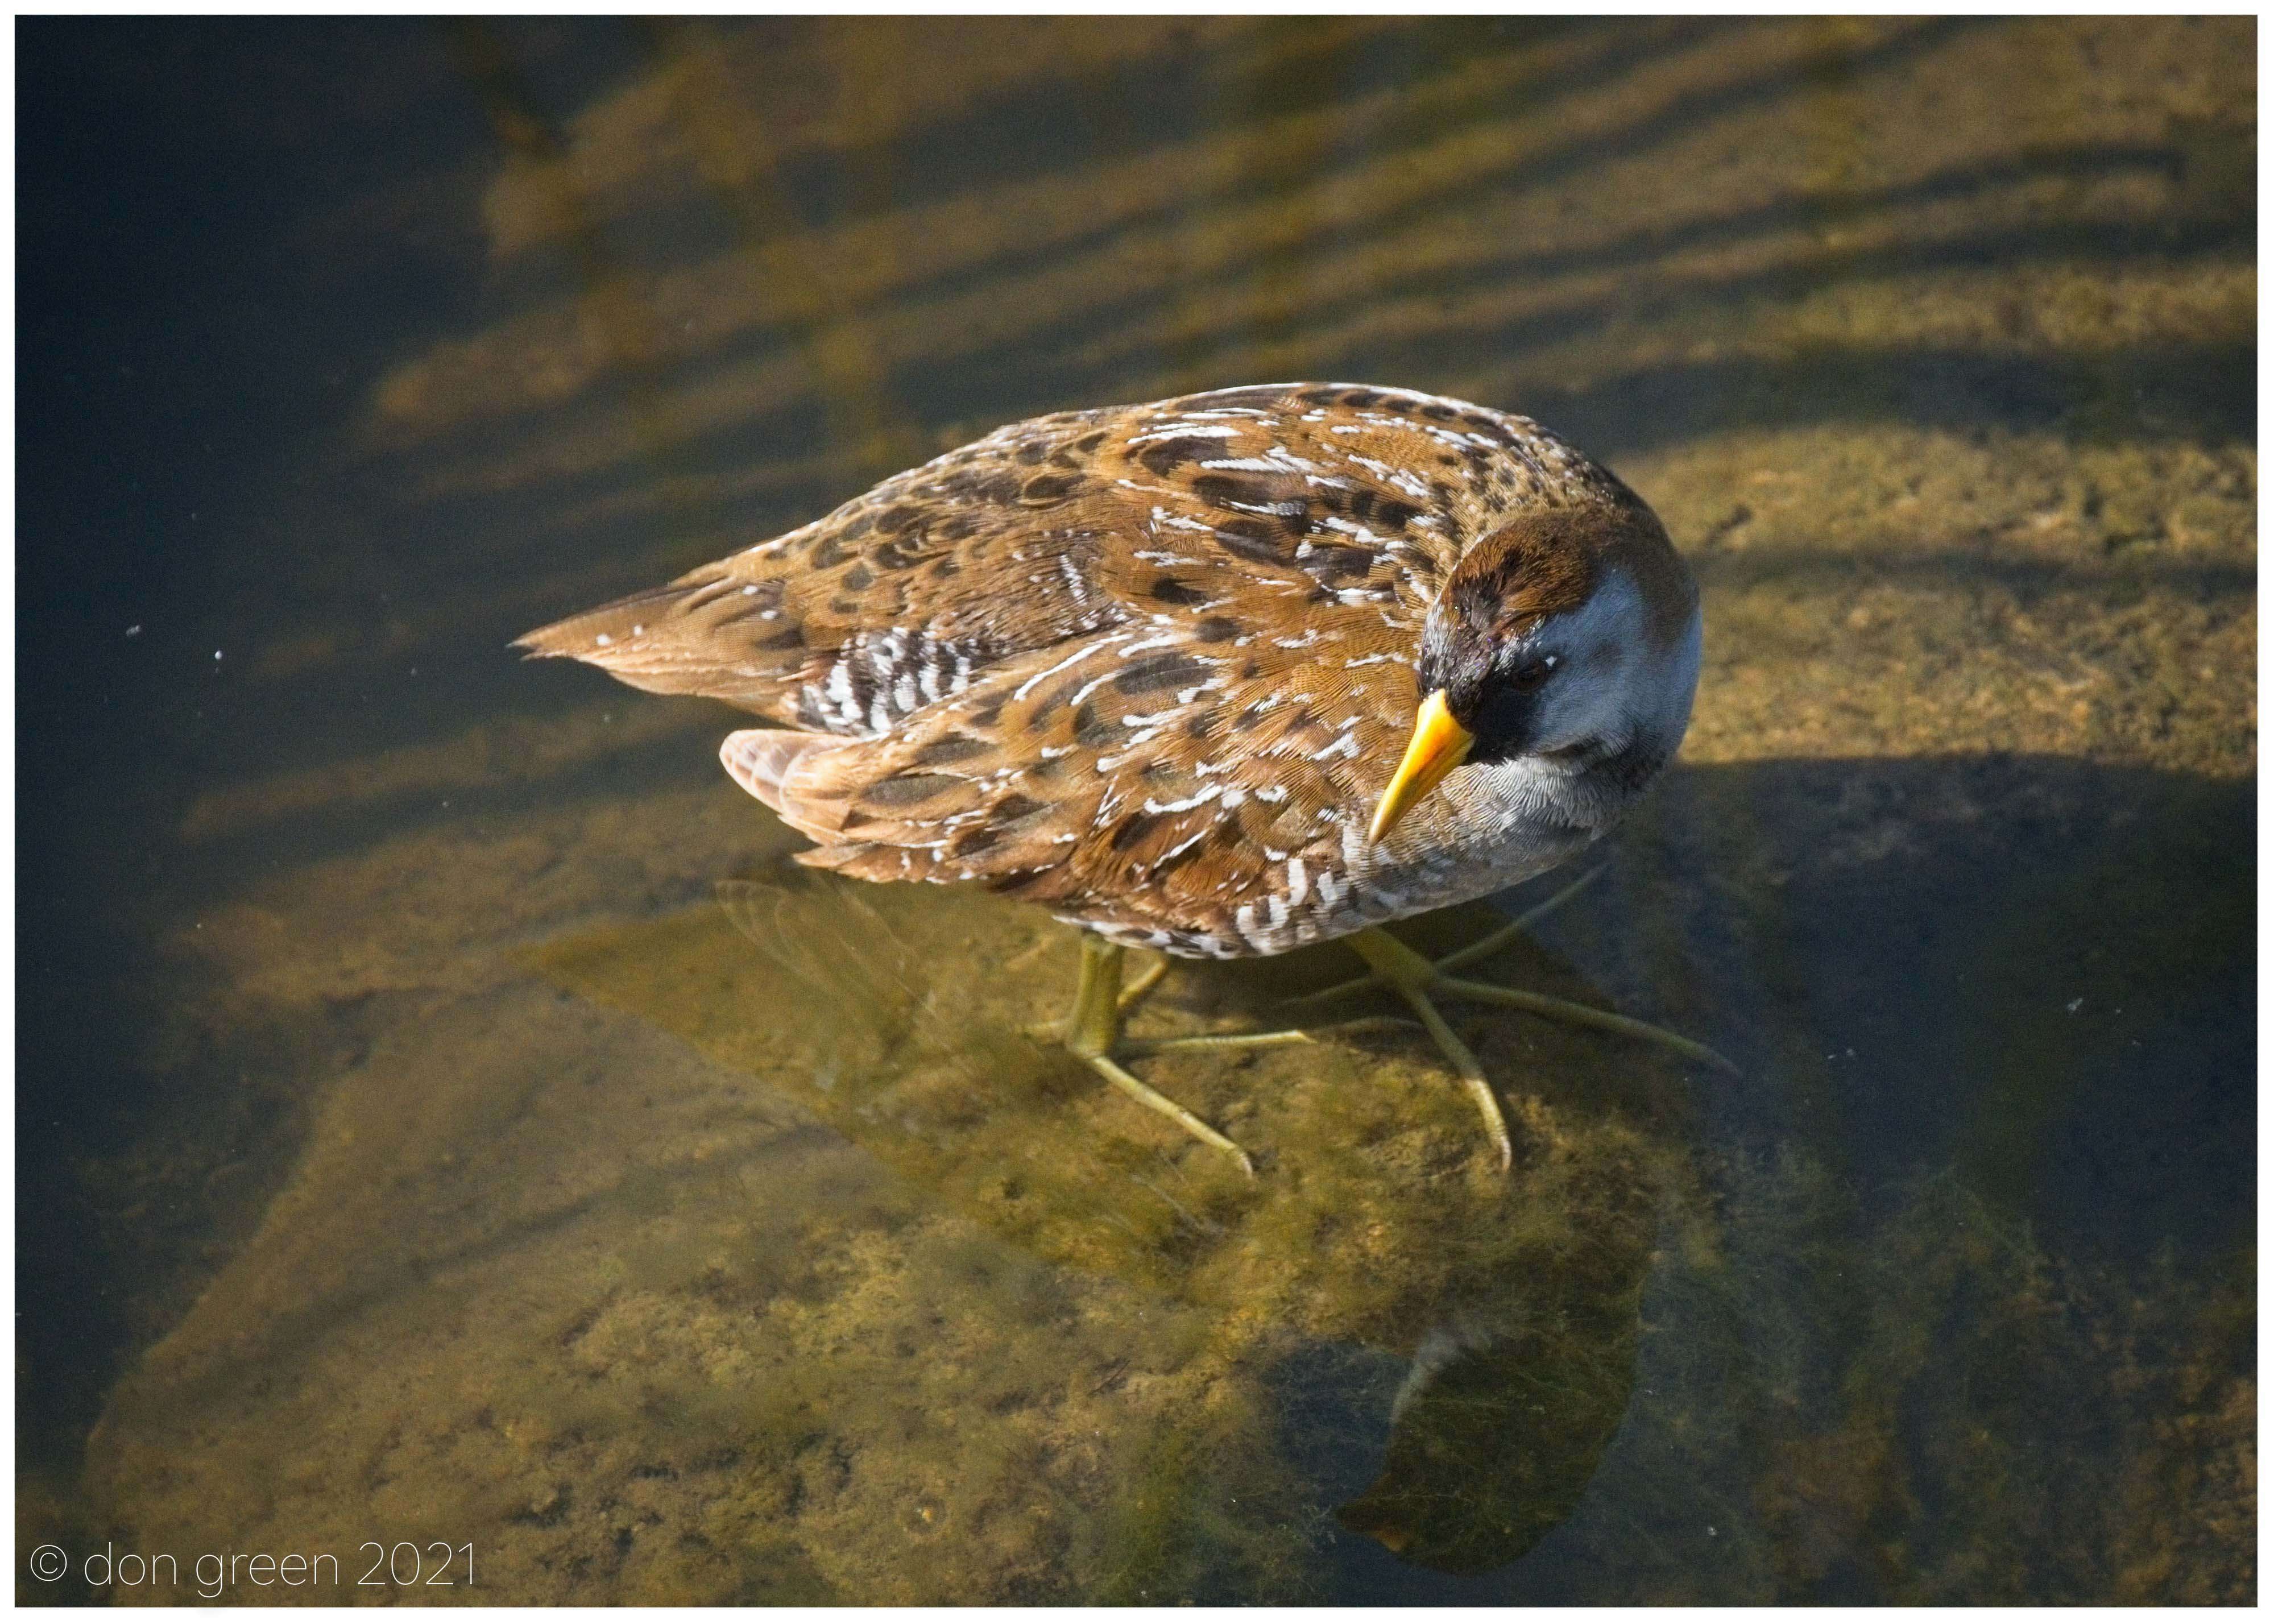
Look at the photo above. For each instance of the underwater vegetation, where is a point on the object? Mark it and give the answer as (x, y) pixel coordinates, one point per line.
(1365, 1229)
(860, 1293)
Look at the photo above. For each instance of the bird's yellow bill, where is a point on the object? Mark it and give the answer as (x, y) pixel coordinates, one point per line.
(1439, 745)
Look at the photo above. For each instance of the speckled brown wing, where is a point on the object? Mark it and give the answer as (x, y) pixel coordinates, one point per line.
(900, 596)
(1167, 785)
(1291, 495)
(1255, 504)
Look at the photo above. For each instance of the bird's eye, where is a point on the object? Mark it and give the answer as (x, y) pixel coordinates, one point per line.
(1530, 676)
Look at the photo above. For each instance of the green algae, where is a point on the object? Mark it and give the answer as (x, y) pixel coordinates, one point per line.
(882, 1355)
(1376, 1216)
(1928, 1409)
(895, 1015)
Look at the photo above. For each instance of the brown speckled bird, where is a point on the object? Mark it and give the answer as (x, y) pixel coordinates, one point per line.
(1221, 675)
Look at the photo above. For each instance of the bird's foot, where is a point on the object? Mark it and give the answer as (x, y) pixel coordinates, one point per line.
(1113, 1072)
(1093, 1034)
(1441, 981)
(1414, 979)
(1420, 982)
(1108, 1066)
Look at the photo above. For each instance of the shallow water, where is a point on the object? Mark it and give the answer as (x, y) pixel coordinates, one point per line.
(445, 1120)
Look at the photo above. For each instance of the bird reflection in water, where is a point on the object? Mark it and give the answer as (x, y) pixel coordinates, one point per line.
(1503, 1419)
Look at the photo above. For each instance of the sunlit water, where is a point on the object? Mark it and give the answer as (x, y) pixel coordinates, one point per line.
(445, 1123)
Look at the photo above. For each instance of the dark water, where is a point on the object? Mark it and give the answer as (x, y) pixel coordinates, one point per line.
(416, 1145)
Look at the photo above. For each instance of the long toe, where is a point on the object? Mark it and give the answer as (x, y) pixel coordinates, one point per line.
(1581, 1015)
(1113, 1072)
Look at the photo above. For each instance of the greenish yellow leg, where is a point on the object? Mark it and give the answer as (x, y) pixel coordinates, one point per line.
(1106, 1067)
(1447, 985)
(1582, 1015)
(1146, 980)
(1412, 976)
(1260, 1040)
(1092, 1031)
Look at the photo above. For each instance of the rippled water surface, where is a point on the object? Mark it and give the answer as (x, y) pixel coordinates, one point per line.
(446, 1120)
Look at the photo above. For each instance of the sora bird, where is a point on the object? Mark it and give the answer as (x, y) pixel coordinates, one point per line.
(1221, 676)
